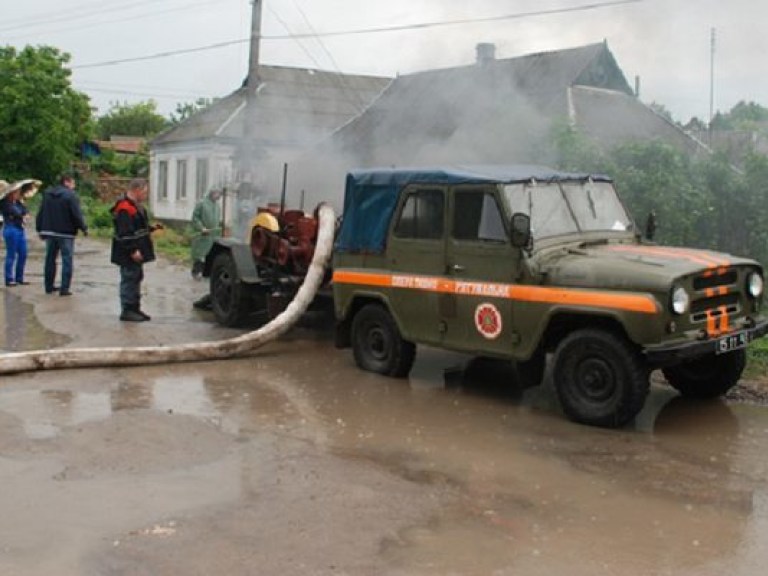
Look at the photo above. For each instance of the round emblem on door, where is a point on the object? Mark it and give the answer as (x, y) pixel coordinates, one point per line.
(488, 320)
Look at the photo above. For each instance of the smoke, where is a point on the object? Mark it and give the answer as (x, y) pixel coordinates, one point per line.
(468, 115)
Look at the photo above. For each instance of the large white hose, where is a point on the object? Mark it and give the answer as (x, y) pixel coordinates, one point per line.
(195, 352)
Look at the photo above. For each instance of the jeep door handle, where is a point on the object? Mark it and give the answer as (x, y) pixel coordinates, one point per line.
(457, 268)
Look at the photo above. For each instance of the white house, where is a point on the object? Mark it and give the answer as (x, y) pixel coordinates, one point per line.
(296, 108)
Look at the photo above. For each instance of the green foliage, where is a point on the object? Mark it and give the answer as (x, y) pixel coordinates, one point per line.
(109, 162)
(126, 119)
(743, 116)
(42, 118)
(701, 203)
(187, 109)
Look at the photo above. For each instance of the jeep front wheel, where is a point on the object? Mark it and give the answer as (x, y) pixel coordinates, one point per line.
(600, 378)
(377, 344)
(709, 376)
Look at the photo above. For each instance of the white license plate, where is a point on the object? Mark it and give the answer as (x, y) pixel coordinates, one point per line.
(732, 342)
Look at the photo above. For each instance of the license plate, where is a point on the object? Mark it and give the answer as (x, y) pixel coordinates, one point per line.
(732, 342)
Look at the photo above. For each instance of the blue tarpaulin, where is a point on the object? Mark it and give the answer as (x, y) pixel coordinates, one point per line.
(371, 195)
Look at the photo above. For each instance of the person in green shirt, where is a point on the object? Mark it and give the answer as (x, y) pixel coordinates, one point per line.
(206, 223)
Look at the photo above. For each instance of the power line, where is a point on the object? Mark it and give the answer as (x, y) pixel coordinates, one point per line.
(82, 26)
(76, 13)
(405, 27)
(131, 92)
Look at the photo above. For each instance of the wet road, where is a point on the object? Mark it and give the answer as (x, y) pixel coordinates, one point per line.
(295, 462)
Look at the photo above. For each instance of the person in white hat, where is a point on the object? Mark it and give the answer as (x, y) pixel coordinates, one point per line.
(3, 189)
(15, 216)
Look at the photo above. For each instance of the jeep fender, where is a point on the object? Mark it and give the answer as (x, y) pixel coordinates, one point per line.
(562, 321)
(241, 255)
(345, 315)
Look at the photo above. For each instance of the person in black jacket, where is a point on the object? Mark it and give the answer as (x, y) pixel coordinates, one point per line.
(132, 247)
(58, 221)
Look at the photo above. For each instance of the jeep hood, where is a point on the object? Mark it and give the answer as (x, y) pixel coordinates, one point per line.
(628, 266)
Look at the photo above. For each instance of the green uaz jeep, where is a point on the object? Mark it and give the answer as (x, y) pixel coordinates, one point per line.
(514, 262)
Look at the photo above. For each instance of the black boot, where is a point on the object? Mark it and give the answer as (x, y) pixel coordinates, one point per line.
(130, 315)
(144, 314)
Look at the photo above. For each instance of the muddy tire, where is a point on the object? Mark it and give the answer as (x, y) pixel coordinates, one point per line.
(377, 344)
(601, 379)
(709, 376)
(230, 299)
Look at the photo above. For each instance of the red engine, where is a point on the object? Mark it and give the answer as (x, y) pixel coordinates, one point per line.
(286, 240)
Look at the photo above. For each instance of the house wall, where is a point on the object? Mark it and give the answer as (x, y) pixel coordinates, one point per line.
(177, 165)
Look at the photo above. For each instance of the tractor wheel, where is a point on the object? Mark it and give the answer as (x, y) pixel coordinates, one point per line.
(709, 376)
(377, 344)
(600, 378)
(230, 299)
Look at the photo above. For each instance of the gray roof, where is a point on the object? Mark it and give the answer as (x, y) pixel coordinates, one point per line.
(499, 111)
(294, 105)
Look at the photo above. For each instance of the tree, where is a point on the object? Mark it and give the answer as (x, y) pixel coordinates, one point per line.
(743, 116)
(126, 119)
(42, 118)
(187, 109)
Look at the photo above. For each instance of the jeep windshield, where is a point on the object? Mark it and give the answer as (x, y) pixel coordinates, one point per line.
(568, 207)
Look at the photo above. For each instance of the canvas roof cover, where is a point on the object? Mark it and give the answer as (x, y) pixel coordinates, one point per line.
(371, 195)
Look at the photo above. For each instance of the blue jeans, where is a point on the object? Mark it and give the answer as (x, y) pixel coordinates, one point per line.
(131, 276)
(15, 253)
(53, 246)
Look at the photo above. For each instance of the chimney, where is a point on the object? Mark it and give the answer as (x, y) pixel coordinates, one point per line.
(637, 86)
(486, 53)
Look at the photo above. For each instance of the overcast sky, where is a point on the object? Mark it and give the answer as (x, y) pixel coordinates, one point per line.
(664, 42)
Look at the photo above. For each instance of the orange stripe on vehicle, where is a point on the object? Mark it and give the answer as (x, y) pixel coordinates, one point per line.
(711, 324)
(724, 320)
(719, 291)
(599, 299)
(631, 302)
(362, 278)
(704, 259)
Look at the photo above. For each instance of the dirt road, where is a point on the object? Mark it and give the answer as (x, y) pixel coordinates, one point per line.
(293, 462)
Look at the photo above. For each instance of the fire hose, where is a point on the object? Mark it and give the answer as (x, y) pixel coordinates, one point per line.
(194, 352)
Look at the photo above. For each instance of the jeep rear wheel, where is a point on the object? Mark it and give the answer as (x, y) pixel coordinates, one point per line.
(707, 377)
(377, 344)
(600, 378)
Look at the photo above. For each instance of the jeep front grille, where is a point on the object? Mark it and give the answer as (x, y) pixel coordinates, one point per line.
(716, 299)
(715, 278)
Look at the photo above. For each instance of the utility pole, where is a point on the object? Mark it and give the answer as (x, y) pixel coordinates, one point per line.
(249, 152)
(711, 83)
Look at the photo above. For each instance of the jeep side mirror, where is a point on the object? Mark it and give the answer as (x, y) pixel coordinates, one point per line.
(521, 230)
(650, 225)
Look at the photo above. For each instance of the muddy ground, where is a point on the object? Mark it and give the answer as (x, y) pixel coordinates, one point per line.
(293, 461)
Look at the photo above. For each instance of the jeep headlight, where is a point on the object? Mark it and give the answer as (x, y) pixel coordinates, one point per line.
(680, 300)
(755, 284)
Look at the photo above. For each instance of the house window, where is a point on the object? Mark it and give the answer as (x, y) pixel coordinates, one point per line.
(181, 180)
(162, 180)
(201, 177)
(422, 215)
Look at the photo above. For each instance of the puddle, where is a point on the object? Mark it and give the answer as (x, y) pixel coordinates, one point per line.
(683, 491)
(21, 329)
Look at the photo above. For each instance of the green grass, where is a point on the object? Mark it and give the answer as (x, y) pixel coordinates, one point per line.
(757, 360)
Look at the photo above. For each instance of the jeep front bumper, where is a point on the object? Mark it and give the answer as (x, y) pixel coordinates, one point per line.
(665, 355)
